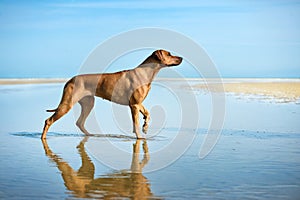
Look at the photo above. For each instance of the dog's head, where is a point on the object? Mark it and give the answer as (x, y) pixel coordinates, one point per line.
(166, 58)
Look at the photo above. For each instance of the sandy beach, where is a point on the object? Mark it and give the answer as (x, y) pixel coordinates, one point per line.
(255, 157)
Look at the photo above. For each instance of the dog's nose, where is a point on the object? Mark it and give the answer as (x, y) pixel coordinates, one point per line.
(179, 59)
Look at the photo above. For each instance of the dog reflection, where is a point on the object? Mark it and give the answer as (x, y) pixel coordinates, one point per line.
(126, 184)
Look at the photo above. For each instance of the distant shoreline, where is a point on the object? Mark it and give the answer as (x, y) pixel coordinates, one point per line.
(21, 81)
(282, 89)
(16, 81)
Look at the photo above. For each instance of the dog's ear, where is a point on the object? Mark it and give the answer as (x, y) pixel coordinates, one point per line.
(159, 55)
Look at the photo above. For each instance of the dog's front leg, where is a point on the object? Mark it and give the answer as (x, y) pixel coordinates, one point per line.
(146, 114)
(135, 119)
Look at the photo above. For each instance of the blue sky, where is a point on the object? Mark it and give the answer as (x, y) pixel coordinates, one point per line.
(257, 38)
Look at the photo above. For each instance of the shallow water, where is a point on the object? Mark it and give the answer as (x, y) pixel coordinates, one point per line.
(256, 157)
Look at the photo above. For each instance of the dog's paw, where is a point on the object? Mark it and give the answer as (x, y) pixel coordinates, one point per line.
(145, 128)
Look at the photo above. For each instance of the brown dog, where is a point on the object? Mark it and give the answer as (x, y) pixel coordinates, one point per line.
(128, 87)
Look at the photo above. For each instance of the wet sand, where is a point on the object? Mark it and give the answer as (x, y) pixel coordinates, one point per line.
(256, 156)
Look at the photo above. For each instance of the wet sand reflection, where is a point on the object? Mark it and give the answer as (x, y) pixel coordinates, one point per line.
(126, 183)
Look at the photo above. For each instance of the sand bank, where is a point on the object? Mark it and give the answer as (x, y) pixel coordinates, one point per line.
(280, 90)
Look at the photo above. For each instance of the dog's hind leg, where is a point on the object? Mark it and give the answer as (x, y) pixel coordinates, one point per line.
(60, 111)
(146, 118)
(68, 100)
(87, 104)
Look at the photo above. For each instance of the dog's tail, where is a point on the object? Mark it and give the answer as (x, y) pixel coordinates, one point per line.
(53, 110)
